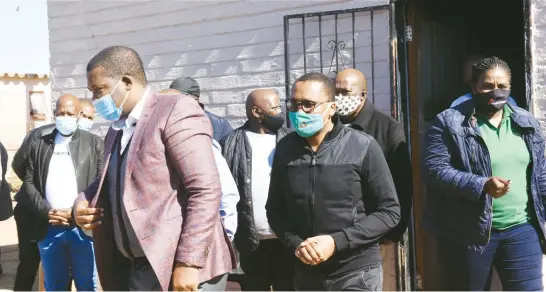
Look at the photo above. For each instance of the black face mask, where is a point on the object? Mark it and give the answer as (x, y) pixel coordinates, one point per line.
(273, 123)
(490, 102)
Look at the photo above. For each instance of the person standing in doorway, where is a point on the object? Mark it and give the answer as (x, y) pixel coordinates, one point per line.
(357, 111)
(249, 151)
(189, 86)
(6, 207)
(59, 166)
(331, 196)
(467, 79)
(486, 157)
(154, 211)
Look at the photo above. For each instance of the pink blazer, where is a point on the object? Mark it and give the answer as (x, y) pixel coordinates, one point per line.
(172, 195)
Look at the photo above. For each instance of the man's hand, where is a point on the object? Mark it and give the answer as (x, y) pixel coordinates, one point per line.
(60, 217)
(497, 187)
(316, 250)
(87, 218)
(307, 254)
(185, 277)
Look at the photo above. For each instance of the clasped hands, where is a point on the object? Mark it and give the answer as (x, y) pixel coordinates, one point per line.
(315, 250)
(60, 217)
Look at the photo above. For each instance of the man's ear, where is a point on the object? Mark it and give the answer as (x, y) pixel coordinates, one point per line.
(256, 112)
(333, 109)
(128, 82)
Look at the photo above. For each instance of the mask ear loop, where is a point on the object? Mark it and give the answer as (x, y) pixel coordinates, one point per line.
(79, 117)
(123, 102)
(124, 99)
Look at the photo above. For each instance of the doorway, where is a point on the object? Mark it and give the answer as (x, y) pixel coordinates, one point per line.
(444, 33)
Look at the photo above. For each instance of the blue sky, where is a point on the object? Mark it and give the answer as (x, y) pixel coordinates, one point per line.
(25, 39)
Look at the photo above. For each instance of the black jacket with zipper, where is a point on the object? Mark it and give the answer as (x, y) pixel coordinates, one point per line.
(390, 136)
(86, 150)
(238, 153)
(345, 190)
(20, 160)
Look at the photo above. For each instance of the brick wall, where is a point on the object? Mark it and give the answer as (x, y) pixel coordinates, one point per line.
(231, 47)
(539, 59)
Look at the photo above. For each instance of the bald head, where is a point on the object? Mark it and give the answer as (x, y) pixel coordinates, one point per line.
(68, 105)
(261, 101)
(351, 82)
(87, 108)
(351, 92)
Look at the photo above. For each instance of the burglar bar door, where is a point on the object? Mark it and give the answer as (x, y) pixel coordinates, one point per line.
(366, 39)
(329, 42)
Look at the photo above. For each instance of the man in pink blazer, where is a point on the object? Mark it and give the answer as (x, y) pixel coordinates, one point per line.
(154, 211)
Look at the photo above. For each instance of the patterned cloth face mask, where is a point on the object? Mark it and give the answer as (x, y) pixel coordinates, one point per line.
(347, 104)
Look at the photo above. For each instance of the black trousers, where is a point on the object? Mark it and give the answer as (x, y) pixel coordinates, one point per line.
(269, 266)
(29, 256)
(142, 276)
(368, 278)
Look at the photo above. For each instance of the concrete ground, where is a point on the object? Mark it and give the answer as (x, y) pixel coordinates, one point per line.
(9, 258)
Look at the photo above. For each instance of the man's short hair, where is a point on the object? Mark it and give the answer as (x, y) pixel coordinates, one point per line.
(326, 82)
(119, 61)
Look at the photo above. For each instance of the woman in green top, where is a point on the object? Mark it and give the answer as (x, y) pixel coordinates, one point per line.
(488, 158)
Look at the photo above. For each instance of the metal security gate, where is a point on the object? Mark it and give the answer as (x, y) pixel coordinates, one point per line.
(328, 42)
(373, 40)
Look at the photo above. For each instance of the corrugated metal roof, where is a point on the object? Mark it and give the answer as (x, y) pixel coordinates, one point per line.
(23, 75)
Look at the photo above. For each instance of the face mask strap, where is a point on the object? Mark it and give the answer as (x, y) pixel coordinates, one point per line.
(123, 102)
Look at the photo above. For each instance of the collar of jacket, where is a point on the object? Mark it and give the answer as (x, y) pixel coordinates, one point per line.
(521, 117)
(338, 126)
(280, 132)
(365, 115)
(50, 138)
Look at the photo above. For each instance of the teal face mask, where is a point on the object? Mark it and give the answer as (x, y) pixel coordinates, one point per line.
(306, 125)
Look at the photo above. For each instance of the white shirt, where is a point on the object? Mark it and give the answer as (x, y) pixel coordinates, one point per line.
(230, 193)
(263, 149)
(128, 125)
(61, 187)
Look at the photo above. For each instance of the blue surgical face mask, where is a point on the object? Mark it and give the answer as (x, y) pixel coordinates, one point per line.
(85, 124)
(306, 125)
(66, 125)
(106, 107)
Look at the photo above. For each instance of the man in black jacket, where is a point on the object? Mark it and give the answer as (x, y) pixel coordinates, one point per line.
(60, 165)
(6, 210)
(353, 107)
(29, 257)
(249, 153)
(331, 197)
(188, 85)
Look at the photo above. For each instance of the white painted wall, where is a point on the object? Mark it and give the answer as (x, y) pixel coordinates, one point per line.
(231, 47)
(15, 108)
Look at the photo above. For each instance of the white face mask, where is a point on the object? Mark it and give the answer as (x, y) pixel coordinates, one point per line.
(347, 104)
(66, 125)
(85, 124)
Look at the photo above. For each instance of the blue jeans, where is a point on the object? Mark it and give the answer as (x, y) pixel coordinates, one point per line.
(515, 253)
(66, 249)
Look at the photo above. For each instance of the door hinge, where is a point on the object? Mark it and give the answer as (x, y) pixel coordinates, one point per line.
(408, 33)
